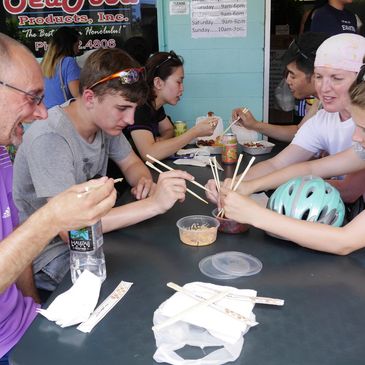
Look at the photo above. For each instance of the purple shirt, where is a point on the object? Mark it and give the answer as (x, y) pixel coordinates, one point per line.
(16, 311)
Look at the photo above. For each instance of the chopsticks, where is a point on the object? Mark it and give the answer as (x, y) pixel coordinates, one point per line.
(256, 300)
(152, 166)
(93, 187)
(214, 168)
(221, 212)
(244, 111)
(223, 310)
(171, 169)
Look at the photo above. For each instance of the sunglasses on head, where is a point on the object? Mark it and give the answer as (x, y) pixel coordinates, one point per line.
(361, 75)
(34, 99)
(128, 76)
(298, 51)
(171, 55)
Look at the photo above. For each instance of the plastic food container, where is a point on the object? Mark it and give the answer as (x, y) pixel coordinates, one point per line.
(229, 225)
(257, 147)
(198, 230)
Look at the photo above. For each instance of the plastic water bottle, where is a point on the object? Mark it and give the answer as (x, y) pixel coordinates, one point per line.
(86, 251)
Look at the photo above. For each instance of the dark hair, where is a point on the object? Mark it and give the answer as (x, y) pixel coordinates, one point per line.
(138, 48)
(64, 39)
(303, 50)
(162, 65)
(357, 89)
(105, 62)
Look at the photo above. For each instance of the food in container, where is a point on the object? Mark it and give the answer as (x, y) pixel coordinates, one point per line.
(213, 141)
(229, 225)
(198, 230)
(257, 147)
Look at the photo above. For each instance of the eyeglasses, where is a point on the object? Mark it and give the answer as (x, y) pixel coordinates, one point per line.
(171, 55)
(127, 77)
(35, 99)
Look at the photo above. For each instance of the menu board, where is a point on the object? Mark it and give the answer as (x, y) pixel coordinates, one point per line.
(218, 18)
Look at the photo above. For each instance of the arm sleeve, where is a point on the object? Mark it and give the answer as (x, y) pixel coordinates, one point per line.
(308, 136)
(51, 172)
(70, 70)
(119, 148)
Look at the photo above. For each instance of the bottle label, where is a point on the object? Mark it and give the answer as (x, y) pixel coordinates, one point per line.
(86, 239)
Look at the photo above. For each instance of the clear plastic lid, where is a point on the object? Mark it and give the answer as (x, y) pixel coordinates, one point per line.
(207, 268)
(236, 263)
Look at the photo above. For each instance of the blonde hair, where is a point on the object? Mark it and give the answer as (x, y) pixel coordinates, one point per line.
(357, 90)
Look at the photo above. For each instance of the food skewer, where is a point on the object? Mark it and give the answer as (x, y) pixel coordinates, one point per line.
(171, 169)
(217, 307)
(149, 164)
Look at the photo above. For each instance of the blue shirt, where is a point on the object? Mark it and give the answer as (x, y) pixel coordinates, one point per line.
(53, 94)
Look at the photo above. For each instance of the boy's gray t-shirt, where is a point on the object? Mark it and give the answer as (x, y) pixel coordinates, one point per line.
(53, 157)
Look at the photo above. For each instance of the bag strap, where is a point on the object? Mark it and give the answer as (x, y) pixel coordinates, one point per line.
(63, 86)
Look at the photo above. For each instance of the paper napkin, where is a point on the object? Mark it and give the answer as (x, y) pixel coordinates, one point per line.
(76, 304)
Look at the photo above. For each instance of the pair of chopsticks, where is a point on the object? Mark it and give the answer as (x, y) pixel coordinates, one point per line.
(202, 302)
(211, 302)
(93, 187)
(149, 164)
(244, 111)
(214, 167)
(221, 212)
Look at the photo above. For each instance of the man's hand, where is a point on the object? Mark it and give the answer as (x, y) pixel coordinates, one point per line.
(171, 187)
(246, 120)
(143, 189)
(80, 206)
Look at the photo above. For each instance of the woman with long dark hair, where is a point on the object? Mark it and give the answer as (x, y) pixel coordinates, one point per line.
(152, 132)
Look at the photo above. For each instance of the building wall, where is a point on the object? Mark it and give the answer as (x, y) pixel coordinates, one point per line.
(220, 73)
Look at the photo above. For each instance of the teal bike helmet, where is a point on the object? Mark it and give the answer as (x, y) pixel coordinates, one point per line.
(309, 198)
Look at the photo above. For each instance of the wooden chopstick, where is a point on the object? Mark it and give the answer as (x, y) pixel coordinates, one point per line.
(223, 310)
(171, 169)
(216, 172)
(186, 311)
(216, 179)
(152, 166)
(93, 187)
(227, 129)
(256, 300)
(244, 173)
(221, 212)
(236, 170)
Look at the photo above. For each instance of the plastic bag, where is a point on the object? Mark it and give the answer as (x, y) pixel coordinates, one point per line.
(180, 334)
(283, 96)
(202, 327)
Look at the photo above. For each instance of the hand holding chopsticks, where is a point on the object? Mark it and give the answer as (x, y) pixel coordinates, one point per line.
(244, 111)
(221, 212)
(150, 165)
